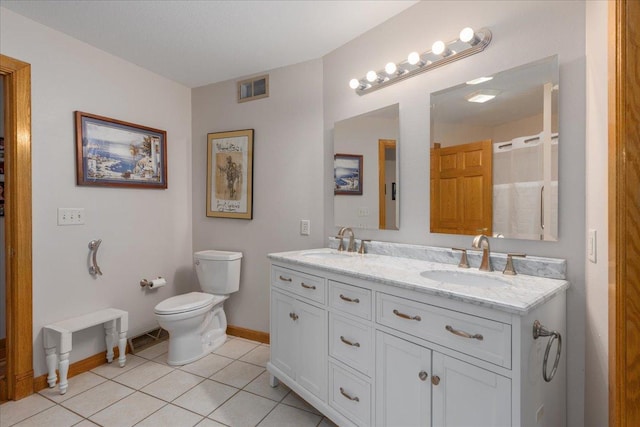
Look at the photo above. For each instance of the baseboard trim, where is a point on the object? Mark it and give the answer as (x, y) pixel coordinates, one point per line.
(77, 368)
(249, 334)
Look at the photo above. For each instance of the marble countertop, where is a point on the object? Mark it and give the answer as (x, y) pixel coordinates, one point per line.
(517, 294)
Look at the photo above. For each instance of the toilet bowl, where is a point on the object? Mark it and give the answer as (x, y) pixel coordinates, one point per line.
(196, 321)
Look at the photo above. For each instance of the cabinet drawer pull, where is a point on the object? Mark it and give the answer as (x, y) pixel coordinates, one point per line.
(347, 299)
(285, 279)
(406, 316)
(435, 380)
(293, 316)
(423, 375)
(355, 399)
(346, 341)
(304, 285)
(463, 334)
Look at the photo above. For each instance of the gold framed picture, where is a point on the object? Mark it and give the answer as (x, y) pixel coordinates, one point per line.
(230, 174)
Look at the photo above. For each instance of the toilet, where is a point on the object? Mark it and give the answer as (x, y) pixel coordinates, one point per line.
(196, 321)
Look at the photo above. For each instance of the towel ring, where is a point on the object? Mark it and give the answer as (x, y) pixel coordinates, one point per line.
(541, 331)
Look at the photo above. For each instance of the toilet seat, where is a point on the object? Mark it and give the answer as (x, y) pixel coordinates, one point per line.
(187, 302)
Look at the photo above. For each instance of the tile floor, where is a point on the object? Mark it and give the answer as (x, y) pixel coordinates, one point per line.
(229, 387)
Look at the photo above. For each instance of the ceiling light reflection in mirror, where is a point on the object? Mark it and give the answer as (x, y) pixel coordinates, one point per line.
(494, 154)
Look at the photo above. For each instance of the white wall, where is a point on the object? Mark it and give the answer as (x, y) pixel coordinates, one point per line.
(288, 181)
(597, 320)
(145, 232)
(523, 31)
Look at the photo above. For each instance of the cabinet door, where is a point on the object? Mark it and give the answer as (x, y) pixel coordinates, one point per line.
(311, 367)
(467, 395)
(403, 386)
(283, 341)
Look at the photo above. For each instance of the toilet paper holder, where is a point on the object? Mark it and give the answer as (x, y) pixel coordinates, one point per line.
(151, 284)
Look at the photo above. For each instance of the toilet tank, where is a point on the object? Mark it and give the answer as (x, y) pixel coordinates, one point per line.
(218, 271)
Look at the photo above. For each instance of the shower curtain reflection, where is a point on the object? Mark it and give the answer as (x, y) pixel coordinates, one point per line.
(519, 186)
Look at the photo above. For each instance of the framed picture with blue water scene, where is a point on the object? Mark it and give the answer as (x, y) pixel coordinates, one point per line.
(113, 153)
(347, 174)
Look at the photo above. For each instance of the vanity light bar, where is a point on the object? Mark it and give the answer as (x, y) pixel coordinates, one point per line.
(469, 43)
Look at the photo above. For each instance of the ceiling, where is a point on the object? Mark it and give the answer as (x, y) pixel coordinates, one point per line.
(197, 43)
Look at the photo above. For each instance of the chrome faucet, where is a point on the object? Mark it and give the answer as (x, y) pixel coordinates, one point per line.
(351, 247)
(482, 242)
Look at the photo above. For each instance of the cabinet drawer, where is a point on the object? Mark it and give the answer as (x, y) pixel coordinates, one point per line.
(478, 337)
(352, 343)
(350, 395)
(350, 299)
(306, 285)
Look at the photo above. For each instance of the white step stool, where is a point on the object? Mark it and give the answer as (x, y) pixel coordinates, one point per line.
(57, 340)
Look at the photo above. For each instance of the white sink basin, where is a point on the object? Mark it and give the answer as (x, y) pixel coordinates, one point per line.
(325, 253)
(466, 279)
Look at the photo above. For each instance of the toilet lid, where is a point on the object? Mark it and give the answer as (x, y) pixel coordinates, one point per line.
(184, 303)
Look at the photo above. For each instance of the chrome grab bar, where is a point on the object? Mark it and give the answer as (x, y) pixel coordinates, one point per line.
(93, 248)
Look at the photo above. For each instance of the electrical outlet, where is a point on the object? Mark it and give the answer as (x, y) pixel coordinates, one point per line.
(70, 216)
(305, 227)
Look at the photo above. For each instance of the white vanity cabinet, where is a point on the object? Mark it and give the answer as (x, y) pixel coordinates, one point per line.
(466, 395)
(436, 389)
(298, 333)
(371, 353)
(403, 386)
(459, 393)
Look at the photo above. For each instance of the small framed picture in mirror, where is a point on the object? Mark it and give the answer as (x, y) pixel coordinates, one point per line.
(347, 174)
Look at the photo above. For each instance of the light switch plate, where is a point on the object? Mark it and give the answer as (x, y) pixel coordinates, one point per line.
(70, 216)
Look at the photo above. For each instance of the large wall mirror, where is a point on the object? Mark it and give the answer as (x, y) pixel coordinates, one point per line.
(494, 154)
(367, 191)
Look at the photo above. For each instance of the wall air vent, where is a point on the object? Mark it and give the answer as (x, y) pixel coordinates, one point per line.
(253, 88)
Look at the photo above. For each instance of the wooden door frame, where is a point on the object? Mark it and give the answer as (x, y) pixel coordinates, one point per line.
(624, 212)
(383, 144)
(17, 90)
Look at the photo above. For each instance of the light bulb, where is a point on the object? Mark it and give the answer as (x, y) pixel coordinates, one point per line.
(438, 47)
(467, 35)
(390, 68)
(372, 76)
(354, 83)
(413, 58)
